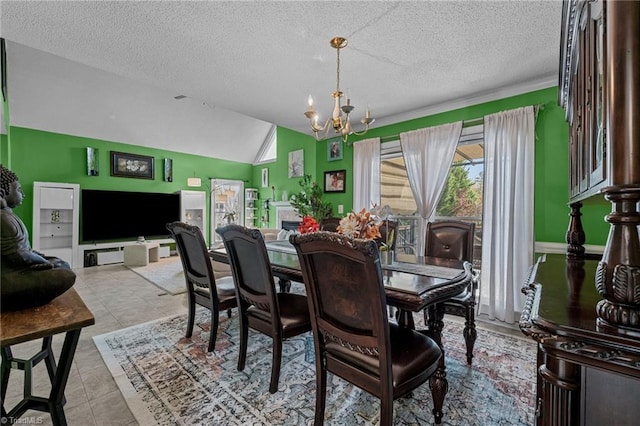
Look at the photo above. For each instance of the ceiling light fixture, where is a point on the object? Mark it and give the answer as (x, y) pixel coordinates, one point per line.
(341, 124)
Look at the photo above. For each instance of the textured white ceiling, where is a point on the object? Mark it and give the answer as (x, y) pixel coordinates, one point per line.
(263, 58)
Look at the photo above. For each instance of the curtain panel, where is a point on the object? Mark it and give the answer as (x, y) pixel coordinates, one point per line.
(366, 174)
(507, 238)
(428, 154)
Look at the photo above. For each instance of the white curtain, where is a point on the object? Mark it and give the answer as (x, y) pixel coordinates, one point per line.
(428, 154)
(507, 236)
(366, 174)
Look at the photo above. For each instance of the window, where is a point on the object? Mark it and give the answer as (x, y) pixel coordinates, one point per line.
(268, 150)
(460, 200)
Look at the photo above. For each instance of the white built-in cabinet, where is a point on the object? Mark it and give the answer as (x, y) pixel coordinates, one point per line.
(56, 227)
(193, 209)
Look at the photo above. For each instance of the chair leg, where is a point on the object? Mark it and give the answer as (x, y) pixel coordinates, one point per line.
(469, 331)
(275, 365)
(214, 330)
(228, 313)
(386, 411)
(244, 337)
(321, 394)
(192, 317)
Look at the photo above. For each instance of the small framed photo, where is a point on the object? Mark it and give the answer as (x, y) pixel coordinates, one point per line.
(265, 178)
(296, 163)
(334, 150)
(334, 180)
(131, 165)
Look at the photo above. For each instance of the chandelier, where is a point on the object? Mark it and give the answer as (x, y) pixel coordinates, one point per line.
(340, 123)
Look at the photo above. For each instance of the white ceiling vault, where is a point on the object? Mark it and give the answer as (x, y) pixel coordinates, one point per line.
(262, 59)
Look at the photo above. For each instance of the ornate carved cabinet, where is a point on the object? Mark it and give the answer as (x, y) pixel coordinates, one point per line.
(600, 90)
(585, 313)
(587, 374)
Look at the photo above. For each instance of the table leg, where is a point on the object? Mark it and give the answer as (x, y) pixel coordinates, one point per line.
(58, 375)
(56, 397)
(405, 319)
(5, 369)
(438, 382)
(285, 285)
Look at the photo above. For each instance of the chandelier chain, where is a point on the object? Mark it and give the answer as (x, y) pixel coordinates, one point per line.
(338, 72)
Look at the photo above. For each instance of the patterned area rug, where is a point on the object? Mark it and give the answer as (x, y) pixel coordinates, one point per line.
(166, 274)
(168, 379)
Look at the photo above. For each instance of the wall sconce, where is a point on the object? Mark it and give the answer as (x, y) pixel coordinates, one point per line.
(168, 170)
(194, 182)
(92, 161)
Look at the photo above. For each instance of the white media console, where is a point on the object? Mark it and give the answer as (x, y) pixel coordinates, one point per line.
(107, 253)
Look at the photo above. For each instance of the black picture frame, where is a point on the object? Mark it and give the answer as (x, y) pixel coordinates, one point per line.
(335, 181)
(132, 165)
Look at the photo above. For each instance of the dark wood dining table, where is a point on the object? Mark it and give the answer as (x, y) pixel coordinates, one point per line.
(412, 284)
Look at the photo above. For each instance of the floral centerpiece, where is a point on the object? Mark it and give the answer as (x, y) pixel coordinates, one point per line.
(360, 225)
(308, 224)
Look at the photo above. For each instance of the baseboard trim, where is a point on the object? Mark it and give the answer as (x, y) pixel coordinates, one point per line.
(561, 248)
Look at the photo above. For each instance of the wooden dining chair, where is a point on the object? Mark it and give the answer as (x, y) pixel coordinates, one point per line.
(388, 234)
(202, 287)
(278, 315)
(330, 224)
(352, 335)
(453, 240)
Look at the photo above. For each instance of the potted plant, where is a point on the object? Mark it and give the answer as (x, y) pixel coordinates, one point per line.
(308, 202)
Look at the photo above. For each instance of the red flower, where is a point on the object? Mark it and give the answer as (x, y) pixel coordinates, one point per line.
(309, 224)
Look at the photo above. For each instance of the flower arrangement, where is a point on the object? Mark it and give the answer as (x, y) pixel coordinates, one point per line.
(308, 224)
(360, 225)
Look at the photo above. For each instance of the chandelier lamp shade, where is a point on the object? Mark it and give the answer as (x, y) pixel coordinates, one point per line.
(340, 117)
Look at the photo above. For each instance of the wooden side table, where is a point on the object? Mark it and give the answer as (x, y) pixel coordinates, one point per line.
(65, 314)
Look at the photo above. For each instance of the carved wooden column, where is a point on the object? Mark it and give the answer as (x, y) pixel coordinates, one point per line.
(575, 233)
(618, 274)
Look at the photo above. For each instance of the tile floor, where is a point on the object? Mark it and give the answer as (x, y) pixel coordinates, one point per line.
(118, 298)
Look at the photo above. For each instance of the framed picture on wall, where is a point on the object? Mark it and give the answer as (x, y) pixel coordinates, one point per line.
(131, 165)
(334, 150)
(334, 180)
(296, 163)
(265, 178)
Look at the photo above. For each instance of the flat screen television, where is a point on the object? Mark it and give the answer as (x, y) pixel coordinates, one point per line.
(125, 215)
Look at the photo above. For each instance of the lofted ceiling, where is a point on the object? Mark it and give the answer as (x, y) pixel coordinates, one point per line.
(263, 58)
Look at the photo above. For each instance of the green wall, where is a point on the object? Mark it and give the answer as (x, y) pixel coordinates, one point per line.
(288, 140)
(551, 164)
(43, 156)
(52, 157)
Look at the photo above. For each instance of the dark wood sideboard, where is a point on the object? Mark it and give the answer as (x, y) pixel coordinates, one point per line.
(587, 375)
(585, 313)
(599, 87)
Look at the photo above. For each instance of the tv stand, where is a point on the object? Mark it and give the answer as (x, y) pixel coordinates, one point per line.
(113, 252)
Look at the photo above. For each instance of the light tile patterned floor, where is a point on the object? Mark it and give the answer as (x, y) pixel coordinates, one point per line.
(118, 298)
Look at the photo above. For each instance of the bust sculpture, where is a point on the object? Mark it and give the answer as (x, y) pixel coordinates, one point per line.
(28, 278)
